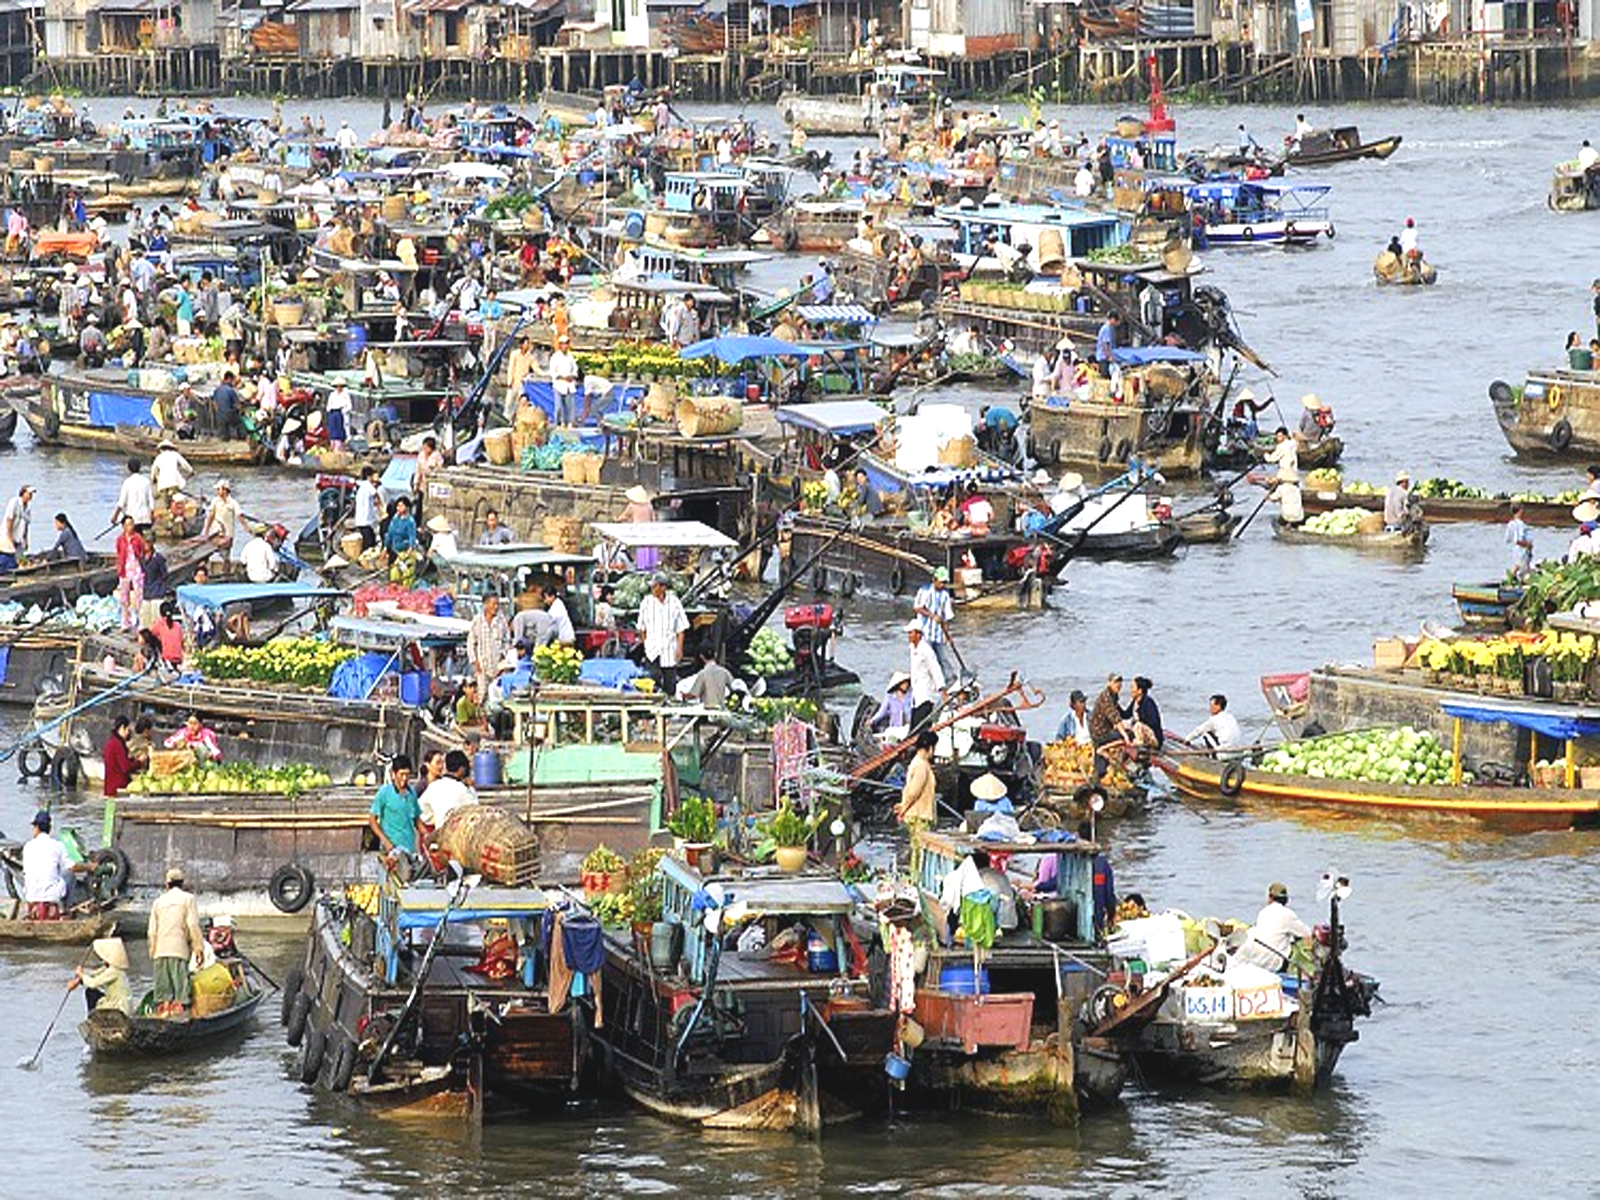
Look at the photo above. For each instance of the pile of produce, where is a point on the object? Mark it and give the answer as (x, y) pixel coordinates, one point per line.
(1404, 755)
(1570, 655)
(95, 613)
(631, 360)
(1448, 489)
(1068, 765)
(772, 710)
(972, 363)
(631, 588)
(1127, 253)
(1360, 487)
(305, 661)
(510, 206)
(768, 654)
(1323, 479)
(548, 456)
(1555, 587)
(556, 663)
(813, 495)
(1338, 522)
(416, 600)
(231, 779)
(1568, 497)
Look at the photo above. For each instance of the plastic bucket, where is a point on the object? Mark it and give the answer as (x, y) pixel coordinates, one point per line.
(897, 1067)
(444, 606)
(666, 944)
(416, 687)
(957, 977)
(634, 226)
(486, 769)
(820, 956)
(355, 341)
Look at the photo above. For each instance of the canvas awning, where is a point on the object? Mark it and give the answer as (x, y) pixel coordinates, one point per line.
(690, 535)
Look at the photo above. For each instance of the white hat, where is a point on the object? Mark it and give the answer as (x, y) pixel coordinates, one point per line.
(1586, 510)
(1402, 476)
(222, 921)
(439, 524)
(166, 444)
(1245, 394)
(637, 494)
(1310, 401)
(913, 626)
(1041, 477)
(897, 679)
(111, 951)
(1071, 481)
(224, 485)
(988, 787)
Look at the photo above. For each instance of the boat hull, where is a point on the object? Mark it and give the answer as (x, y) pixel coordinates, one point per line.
(1556, 414)
(1399, 541)
(69, 931)
(111, 1034)
(1102, 437)
(58, 415)
(1512, 808)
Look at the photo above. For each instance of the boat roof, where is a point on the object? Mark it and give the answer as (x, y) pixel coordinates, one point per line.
(421, 908)
(956, 844)
(399, 629)
(737, 347)
(220, 595)
(1554, 721)
(845, 314)
(692, 535)
(1024, 214)
(511, 558)
(834, 416)
(770, 894)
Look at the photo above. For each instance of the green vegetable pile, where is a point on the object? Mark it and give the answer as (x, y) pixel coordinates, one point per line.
(1126, 253)
(772, 710)
(231, 779)
(631, 588)
(627, 359)
(973, 363)
(1404, 755)
(1555, 587)
(509, 205)
(548, 456)
(1339, 522)
(1447, 489)
(768, 655)
(305, 661)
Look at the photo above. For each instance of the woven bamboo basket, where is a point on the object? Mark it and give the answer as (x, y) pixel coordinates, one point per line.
(707, 416)
(563, 533)
(493, 842)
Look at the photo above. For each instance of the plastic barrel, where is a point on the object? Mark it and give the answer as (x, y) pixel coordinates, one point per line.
(444, 606)
(957, 977)
(416, 687)
(633, 227)
(486, 769)
(355, 341)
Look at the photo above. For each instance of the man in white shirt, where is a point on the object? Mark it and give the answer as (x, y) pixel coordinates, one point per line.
(564, 382)
(170, 471)
(369, 506)
(662, 624)
(1274, 934)
(1587, 155)
(137, 499)
(222, 518)
(557, 608)
(260, 555)
(1219, 731)
(14, 528)
(1408, 239)
(448, 792)
(927, 678)
(46, 871)
(346, 139)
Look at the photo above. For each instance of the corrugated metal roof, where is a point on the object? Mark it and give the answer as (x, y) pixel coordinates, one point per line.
(850, 314)
(311, 6)
(436, 6)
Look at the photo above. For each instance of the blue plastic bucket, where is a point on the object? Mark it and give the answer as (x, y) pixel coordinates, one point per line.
(957, 977)
(444, 606)
(896, 1066)
(821, 958)
(634, 225)
(486, 769)
(355, 341)
(416, 687)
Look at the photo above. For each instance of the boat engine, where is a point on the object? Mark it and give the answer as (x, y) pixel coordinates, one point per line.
(1000, 743)
(812, 628)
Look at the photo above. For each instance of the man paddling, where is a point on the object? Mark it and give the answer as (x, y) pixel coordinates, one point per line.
(175, 940)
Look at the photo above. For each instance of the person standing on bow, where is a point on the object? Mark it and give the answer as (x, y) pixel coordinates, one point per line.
(928, 688)
(175, 941)
(488, 644)
(662, 624)
(934, 610)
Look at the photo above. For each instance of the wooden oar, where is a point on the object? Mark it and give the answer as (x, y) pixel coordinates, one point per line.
(1245, 524)
(32, 1061)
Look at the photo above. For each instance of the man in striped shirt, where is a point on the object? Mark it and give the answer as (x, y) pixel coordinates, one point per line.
(934, 610)
(662, 624)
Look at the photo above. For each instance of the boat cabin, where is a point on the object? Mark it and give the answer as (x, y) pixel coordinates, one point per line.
(1079, 231)
(1150, 152)
(516, 573)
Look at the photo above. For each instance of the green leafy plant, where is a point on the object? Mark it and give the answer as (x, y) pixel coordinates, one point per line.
(603, 860)
(695, 821)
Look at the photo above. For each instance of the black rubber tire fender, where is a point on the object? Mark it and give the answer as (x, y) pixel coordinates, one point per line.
(1102, 452)
(116, 879)
(1560, 436)
(65, 769)
(341, 1063)
(1055, 452)
(1232, 780)
(1247, 234)
(34, 762)
(289, 889)
(1500, 392)
(295, 1024)
(897, 580)
(313, 1048)
(1124, 450)
(377, 433)
(293, 982)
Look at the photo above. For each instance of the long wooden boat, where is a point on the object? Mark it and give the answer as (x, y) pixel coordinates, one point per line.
(1318, 455)
(1574, 188)
(774, 1069)
(78, 931)
(8, 425)
(99, 410)
(1511, 807)
(1554, 414)
(111, 1034)
(1102, 436)
(1437, 510)
(61, 582)
(1342, 144)
(1485, 605)
(1408, 541)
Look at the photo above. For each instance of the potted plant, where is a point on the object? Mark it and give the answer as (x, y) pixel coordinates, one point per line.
(602, 871)
(695, 827)
(789, 833)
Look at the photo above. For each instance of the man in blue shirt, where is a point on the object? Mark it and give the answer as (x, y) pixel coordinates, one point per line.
(402, 534)
(396, 817)
(1105, 342)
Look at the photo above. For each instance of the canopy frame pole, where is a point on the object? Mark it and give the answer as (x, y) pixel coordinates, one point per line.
(1569, 765)
(1455, 751)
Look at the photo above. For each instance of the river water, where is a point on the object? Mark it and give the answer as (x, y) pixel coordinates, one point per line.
(1472, 1078)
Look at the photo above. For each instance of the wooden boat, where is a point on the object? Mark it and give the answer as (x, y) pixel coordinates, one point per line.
(61, 582)
(1439, 510)
(1341, 144)
(99, 410)
(111, 1034)
(429, 1030)
(1112, 22)
(1485, 605)
(666, 1031)
(78, 931)
(892, 85)
(1554, 414)
(1236, 454)
(1574, 188)
(1408, 541)
(8, 425)
(1017, 1047)
(1511, 807)
(1207, 526)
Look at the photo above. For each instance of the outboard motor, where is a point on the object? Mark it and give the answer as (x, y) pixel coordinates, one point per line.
(811, 631)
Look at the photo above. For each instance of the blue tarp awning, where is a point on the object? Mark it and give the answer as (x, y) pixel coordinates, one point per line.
(1138, 356)
(737, 347)
(114, 408)
(220, 595)
(1556, 723)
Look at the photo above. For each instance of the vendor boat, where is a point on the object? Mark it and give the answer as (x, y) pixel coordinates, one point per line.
(113, 1034)
(1340, 144)
(1554, 414)
(1574, 188)
(59, 582)
(8, 425)
(892, 85)
(1114, 522)
(1392, 270)
(1485, 605)
(444, 1025)
(1201, 1018)
(1442, 510)
(66, 930)
(1261, 212)
(1411, 540)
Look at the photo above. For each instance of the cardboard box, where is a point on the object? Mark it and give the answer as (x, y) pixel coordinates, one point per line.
(1390, 654)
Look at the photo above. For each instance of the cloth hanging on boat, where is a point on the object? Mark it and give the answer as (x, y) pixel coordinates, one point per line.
(902, 947)
(498, 960)
(584, 944)
(562, 970)
(978, 923)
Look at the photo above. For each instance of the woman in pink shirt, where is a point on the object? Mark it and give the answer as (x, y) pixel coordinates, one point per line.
(197, 738)
(130, 573)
